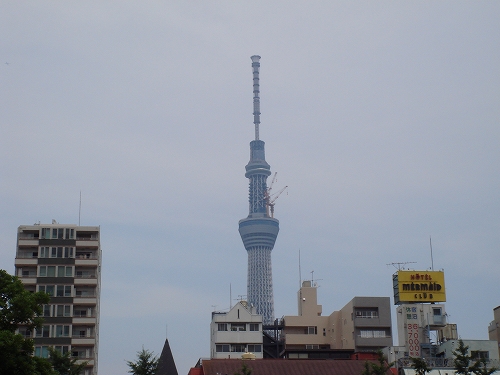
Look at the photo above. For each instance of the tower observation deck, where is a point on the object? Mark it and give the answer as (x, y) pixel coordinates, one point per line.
(258, 230)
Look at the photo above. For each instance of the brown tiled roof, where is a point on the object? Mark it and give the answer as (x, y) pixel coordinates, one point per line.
(283, 367)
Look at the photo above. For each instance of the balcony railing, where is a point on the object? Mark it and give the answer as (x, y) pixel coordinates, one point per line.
(86, 256)
(85, 276)
(78, 336)
(84, 294)
(27, 255)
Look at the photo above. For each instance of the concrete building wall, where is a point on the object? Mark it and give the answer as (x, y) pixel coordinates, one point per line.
(366, 323)
(486, 346)
(494, 327)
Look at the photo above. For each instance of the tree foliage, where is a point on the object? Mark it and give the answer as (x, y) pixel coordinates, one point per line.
(63, 364)
(420, 366)
(482, 368)
(146, 363)
(379, 368)
(463, 360)
(245, 370)
(19, 307)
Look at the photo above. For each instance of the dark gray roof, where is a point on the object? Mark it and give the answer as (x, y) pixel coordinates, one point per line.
(166, 364)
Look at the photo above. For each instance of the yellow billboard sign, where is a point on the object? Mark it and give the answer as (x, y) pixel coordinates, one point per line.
(419, 286)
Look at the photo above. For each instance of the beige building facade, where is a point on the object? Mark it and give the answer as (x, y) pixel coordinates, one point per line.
(362, 325)
(494, 327)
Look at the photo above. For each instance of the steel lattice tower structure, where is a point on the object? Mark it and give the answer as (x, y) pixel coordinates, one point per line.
(259, 230)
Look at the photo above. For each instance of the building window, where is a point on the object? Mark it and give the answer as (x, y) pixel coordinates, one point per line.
(238, 348)
(63, 310)
(62, 349)
(324, 331)
(61, 290)
(62, 331)
(312, 346)
(46, 310)
(480, 354)
(367, 313)
(369, 333)
(42, 351)
(44, 331)
(312, 330)
(222, 327)
(44, 252)
(254, 348)
(254, 326)
(47, 271)
(222, 348)
(238, 327)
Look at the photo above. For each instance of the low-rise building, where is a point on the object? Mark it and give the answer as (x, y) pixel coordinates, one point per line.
(236, 332)
(362, 325)
(494, 327)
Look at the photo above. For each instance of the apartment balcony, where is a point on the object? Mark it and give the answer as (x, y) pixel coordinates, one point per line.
(28, 280)
(28, 261)
(83, 261)
(435, 321)
(90, 362)
(85, 300)
(87, 341)
(84, 320)
(80, 280)
(86, 242)
(28, 241)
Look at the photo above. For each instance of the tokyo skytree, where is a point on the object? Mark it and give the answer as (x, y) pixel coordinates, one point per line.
(259, 229)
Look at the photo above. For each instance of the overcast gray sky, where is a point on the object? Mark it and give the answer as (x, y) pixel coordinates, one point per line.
(381, 117)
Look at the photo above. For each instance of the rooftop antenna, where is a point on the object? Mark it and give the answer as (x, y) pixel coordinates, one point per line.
(256, 98)
(241, 297)
(300, 273)
(230, 297)
(80, 208)
(399, 265)
(432, 259)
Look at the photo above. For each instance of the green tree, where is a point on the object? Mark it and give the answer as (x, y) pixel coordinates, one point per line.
(482, 368)
(379, 368)
(420, 365)
(245, 370)
(19, 307)
(63, 364)
(463, 361)
(146, 363)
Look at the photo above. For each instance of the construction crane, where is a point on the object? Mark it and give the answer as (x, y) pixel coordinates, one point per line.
(270, 198)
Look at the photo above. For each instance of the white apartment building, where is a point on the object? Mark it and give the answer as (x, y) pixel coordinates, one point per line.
(65, 262)
(236, 332)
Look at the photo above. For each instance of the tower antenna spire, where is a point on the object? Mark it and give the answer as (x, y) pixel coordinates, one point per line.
(259, 229)
(256, 91)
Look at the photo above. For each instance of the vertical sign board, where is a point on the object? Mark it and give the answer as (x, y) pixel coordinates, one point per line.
(412, 288)
(413, 330)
